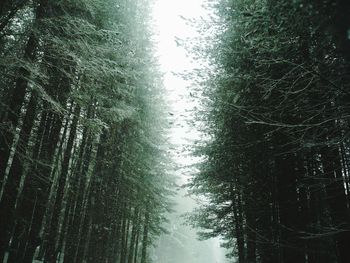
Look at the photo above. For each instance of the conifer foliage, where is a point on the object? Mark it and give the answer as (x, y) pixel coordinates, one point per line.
(276, 169)
(81, 169)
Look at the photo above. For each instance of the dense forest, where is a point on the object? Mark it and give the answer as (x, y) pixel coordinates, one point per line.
(81, 168)
(276, 167)
(84, 166)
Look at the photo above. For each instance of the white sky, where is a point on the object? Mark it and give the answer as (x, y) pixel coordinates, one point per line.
(168, 26)
(167, 15)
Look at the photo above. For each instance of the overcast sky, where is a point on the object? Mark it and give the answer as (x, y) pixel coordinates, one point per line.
(181, 246)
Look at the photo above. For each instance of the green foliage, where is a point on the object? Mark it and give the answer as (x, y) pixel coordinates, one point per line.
(85, 86)
(279, 147)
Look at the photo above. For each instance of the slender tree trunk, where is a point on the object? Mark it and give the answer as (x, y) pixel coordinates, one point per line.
(10, 121)
(115, 240)
(135, 224)
(75, 230)
(82, 250)
(251, 231)
(12, 187)
(288, 203)
(238, 222)
(126, 241)
(51, 252)
(318, 248)
(346, 171)
(58, 156)
(98, 231)
(337, 200)
(43, 187)
(251, 203)
(144, 256)
(16, 245)
(123, 236)
(23, 222)
(137, 242)
(37, 183)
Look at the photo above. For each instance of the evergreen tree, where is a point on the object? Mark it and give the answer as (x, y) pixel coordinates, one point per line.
(276, 170)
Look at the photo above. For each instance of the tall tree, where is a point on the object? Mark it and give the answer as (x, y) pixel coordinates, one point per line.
(277, 120)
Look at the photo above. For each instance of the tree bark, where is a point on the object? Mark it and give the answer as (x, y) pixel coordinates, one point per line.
(12, 187)
(51, 251)
(132, 245)
(288, 203)
(337, 200)
(11, 119)
(40, 188)
(144, 256)
(79, 179)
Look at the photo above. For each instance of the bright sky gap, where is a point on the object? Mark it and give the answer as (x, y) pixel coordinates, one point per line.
(170, 25)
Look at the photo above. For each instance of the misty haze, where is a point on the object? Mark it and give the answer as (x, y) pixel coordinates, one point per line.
(174, 131)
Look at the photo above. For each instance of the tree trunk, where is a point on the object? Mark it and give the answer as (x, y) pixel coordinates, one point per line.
(137, 242)
(12, 187)
(123, 237)
(22, 222)
(11, 119)
(144, 256)
(238, 223)
(82, 249)
(135, 224)
(41, 188)
(73, 238)
(251, 231)
(98, 230)
(51, 252)
(337, 200)
(48, 215)
(288, 203)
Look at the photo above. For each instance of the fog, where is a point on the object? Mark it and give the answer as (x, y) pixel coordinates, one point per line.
(181, 244)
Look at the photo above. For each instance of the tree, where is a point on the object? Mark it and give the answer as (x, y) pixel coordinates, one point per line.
(277, 128)
(82, 164)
